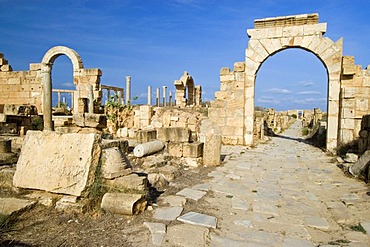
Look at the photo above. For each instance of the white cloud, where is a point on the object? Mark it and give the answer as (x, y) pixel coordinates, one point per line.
(306, 83)
(309, 93)
(309, 100)
(268, 100)
(68, 84)
(279, 91)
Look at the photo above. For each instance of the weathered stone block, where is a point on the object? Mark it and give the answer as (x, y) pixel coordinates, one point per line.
(193, 150)
(146, 135)
(35, 66)
(6, 68)
(174, 134)
(59, 163)
(175, 149)
(239, 67)
(3, 61)
(120, 203)
(132, 182)
(114, 164)
(225, 71)
(221, 95)
(2, 118)
(212, 150)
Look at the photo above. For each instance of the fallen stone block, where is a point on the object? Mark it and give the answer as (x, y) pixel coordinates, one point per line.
(174, 134)
(175, 149)
(12, 206)
(114, 164)
(148, 148)
(350, 158)
(361, 165)
(132, 182)
(59, 163)
(193, 149)
(158, 181)
(146, 135)
(121, 203)
(193, 162)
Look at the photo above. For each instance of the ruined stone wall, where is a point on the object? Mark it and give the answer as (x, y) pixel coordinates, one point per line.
(20, 87)
(354, 98)
(175, 117)
(227, 110)
(25, 87)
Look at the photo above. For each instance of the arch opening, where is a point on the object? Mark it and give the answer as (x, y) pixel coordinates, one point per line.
(46, 67)
(293, 82)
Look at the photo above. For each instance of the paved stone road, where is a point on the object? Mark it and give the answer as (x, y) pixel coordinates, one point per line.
(283, 193)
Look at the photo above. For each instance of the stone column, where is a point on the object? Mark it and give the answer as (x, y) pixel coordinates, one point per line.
(149, 95)
(128, 90)
(170, 98)
(91, 98)
(157, 100)
(58, 104)
(47, 91)
(164, 96)
(148, 148)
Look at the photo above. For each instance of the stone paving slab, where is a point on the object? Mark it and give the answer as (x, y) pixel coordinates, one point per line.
(245, 223)
(194, 218)
(291, 242)
(217, 241)
(186, 235)
(191, 194)
(320, 223)
(239, 204)
(158, 231)
(167, 213)
(174, 201)
(282, 193)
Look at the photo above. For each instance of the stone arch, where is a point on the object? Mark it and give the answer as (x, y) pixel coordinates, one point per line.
(273, 35)
(185, 87)
(57, 51)
(46, 66)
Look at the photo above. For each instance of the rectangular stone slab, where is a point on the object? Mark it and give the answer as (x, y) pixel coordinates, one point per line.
(59, 163)
(198, 219)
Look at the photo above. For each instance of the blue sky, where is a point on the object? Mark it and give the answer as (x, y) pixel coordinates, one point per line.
(155, 41)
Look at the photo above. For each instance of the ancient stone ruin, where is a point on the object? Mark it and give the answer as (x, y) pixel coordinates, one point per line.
(121, 152)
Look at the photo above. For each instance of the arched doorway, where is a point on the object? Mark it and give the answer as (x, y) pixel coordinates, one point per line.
(273, 35)
(46, 67)
(292, 79)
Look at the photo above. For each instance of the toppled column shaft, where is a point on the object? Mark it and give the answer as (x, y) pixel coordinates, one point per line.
(148, 148)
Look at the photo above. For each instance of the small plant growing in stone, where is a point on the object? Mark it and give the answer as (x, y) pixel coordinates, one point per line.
(305, 131)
